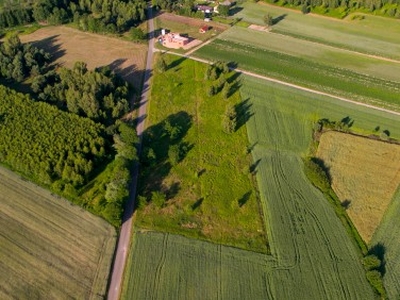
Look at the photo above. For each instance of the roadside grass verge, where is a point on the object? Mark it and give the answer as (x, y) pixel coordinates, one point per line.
(196, 179)
(305, 72)
(50, 249)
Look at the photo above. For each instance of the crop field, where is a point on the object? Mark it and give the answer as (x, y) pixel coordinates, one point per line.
(50, 249)
(365, 174)
(303, 229)
(210, 193)
(68, 45)
(166, 266)
(373, 35)
(387, 244)
(301, 70)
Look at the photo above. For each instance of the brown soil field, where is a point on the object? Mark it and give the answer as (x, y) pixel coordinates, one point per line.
(68, 45)
(365, 175)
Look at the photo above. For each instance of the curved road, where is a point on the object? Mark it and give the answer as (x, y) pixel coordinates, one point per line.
(121, 252)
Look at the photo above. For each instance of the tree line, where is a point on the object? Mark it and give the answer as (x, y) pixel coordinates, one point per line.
(385, 7)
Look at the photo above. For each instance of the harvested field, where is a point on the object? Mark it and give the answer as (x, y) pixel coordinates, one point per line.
(68, 45)
(50, 249)
(365, 175)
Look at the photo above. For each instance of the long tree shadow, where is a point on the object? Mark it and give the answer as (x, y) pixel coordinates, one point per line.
(51, 45)
(161, 141)
(243, 113)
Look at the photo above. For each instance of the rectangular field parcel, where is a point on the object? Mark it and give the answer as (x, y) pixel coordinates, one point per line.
(50, 249)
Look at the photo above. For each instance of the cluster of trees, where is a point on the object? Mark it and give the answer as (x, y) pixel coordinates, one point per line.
(53, 147)
(215, 72)
(92, 15)
(374, 267)
(10, 17)
(390, 8)
(100, 94)
(181, 7)
(18, 61)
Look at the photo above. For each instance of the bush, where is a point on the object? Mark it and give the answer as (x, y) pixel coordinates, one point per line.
(158, 199)
(371, 262)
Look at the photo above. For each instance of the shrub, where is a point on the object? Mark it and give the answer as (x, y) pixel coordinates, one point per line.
(158, 199)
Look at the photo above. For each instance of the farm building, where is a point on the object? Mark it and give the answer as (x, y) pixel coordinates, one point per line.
(203, 29)
(205, 8)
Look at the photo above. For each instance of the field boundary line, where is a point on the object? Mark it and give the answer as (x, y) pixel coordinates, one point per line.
(285, 83)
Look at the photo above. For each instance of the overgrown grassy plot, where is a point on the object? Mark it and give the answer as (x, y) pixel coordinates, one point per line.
(196, 176)
(373, 35)
(317, 258)
(49, 248)
(304, 72)
(365, 175)
(166, 266)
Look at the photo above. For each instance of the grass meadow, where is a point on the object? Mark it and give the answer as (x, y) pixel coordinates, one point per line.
(210, 193)
(365, 174)
(50, 249)
(373, 35)
(307, 70)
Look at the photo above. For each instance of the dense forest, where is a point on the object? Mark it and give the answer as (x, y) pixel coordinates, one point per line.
(75, 144)
(100, 94)
(89, 15)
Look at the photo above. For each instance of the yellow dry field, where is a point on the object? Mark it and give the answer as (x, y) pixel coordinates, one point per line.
(365, 173)
(68, 45)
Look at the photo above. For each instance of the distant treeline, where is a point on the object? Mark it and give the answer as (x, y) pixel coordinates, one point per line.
(90, 15)
(382, 7)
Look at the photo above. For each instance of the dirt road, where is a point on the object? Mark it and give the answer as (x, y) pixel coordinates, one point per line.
(122, 250)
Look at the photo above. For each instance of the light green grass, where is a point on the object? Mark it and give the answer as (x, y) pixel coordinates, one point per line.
(308, 72)
(50, 249)
(210, 192)
(375, 35)
(165, 266)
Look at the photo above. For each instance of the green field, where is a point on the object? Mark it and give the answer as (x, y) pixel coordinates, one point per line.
(364, 80)
(210, 193)
(166, 266)
(387, 243)
(374, 35)
(50, 249)
(312, 255)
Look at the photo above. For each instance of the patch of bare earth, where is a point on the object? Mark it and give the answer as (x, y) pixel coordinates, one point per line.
(68, 45)
(365, 175)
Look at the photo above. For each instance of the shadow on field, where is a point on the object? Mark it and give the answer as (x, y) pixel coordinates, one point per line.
(51, 45)
(130, 73)
(164, 147)
(278, 19)
(243, 113)
(243, 200)
(379, 251)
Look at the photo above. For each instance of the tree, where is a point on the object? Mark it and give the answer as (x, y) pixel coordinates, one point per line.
(137, 34)
(229, 119)
(161, 64)
(223, 10)
(268, 20)
(158, 199)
